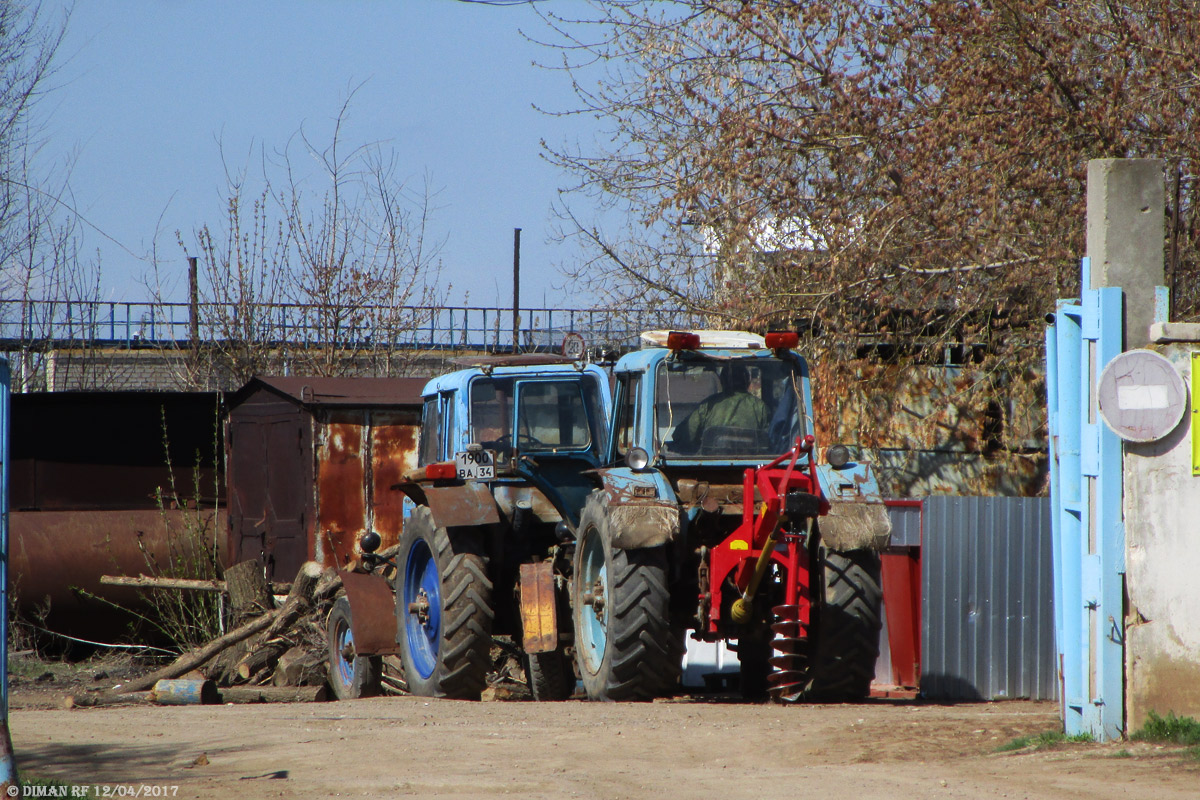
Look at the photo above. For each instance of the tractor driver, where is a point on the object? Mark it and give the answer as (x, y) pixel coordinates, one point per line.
(733, 417)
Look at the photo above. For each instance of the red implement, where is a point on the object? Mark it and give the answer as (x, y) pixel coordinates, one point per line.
(779, 526)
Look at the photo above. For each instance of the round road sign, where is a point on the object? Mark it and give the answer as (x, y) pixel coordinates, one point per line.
(1141, 396)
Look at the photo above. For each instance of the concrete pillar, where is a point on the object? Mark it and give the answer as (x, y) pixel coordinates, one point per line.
(1125, 235)
(1162, 560)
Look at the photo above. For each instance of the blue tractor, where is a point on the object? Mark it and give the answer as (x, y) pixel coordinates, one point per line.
(506, 454)
(713, 516)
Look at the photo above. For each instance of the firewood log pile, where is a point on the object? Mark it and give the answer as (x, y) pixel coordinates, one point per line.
(291, 650)
(277, 651)
(268, 645)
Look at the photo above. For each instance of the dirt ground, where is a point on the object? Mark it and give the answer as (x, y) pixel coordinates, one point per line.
(685, 747)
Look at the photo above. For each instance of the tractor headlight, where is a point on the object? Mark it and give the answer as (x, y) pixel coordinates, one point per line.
(837, 456)
(637, 459)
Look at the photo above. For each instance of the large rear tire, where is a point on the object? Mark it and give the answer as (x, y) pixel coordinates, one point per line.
(621, 611)
(350, 675)
(443, 609)
(846, 642)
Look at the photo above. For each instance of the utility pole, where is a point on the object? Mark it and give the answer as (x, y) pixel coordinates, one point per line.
(193, 305)
(516, 290)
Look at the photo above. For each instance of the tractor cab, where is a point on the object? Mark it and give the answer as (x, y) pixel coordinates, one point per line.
(515, 421)
(685, 402)
(715, 517)
(699, 408)
(507, 449)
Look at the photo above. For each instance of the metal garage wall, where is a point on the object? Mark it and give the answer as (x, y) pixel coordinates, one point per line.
(987, 584)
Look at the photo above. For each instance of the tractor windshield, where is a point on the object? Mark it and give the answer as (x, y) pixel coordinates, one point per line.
(738, 408)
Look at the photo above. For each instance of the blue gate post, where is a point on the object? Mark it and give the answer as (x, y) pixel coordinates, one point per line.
(1104, 558)
(8, 769)
(1088, 529)
(1063, 349)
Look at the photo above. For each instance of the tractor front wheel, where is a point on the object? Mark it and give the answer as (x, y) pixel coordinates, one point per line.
(846, 642)
(550, 676)
(620, 607)
(350, 675)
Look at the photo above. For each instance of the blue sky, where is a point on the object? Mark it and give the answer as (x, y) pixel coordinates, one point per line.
(149, 93)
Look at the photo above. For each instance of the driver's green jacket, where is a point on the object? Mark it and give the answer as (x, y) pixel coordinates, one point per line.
(727, 409)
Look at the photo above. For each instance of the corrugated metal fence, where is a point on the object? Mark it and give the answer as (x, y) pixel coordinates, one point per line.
(987, 589)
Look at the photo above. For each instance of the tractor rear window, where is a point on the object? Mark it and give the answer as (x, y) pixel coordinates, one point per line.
(551, 415)
(728, 408)
(558, 415)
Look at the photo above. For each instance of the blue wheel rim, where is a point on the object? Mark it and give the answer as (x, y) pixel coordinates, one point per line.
(345, 641)
(422, 584)
(594, 580)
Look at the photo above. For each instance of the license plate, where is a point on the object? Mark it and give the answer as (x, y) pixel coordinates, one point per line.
(477, 466)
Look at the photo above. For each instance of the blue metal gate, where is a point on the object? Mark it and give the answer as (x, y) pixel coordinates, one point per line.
(8, 767)
(1088, 531)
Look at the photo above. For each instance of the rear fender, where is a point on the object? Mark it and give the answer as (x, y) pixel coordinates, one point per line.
(467, 504)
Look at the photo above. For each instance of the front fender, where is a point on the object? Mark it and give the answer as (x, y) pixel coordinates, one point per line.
(640, 508)
(857, 519)
(853, 483)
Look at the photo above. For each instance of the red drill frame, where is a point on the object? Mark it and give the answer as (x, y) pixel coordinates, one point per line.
(740, 551)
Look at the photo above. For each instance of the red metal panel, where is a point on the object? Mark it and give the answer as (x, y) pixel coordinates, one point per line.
(341, 487)
(902, 599)
(287, 539)
(289, 504)
(92, 450)
(270, 476)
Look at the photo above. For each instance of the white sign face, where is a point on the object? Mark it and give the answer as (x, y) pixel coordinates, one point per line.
(1141, 396)
(573, 346)
(476, 465)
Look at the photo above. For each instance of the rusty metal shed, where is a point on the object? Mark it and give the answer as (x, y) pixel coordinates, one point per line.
(310, 465)
(104, 483)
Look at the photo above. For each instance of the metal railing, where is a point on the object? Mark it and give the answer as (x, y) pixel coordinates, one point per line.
(149, 324)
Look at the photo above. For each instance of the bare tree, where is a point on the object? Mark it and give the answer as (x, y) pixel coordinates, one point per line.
(323, 275)
(361, 259)
(900, 179)
(47, 285)
(243, 278)
(27, 49)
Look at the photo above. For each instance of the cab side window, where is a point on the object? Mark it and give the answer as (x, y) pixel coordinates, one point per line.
(431, 432)
(627, 428)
